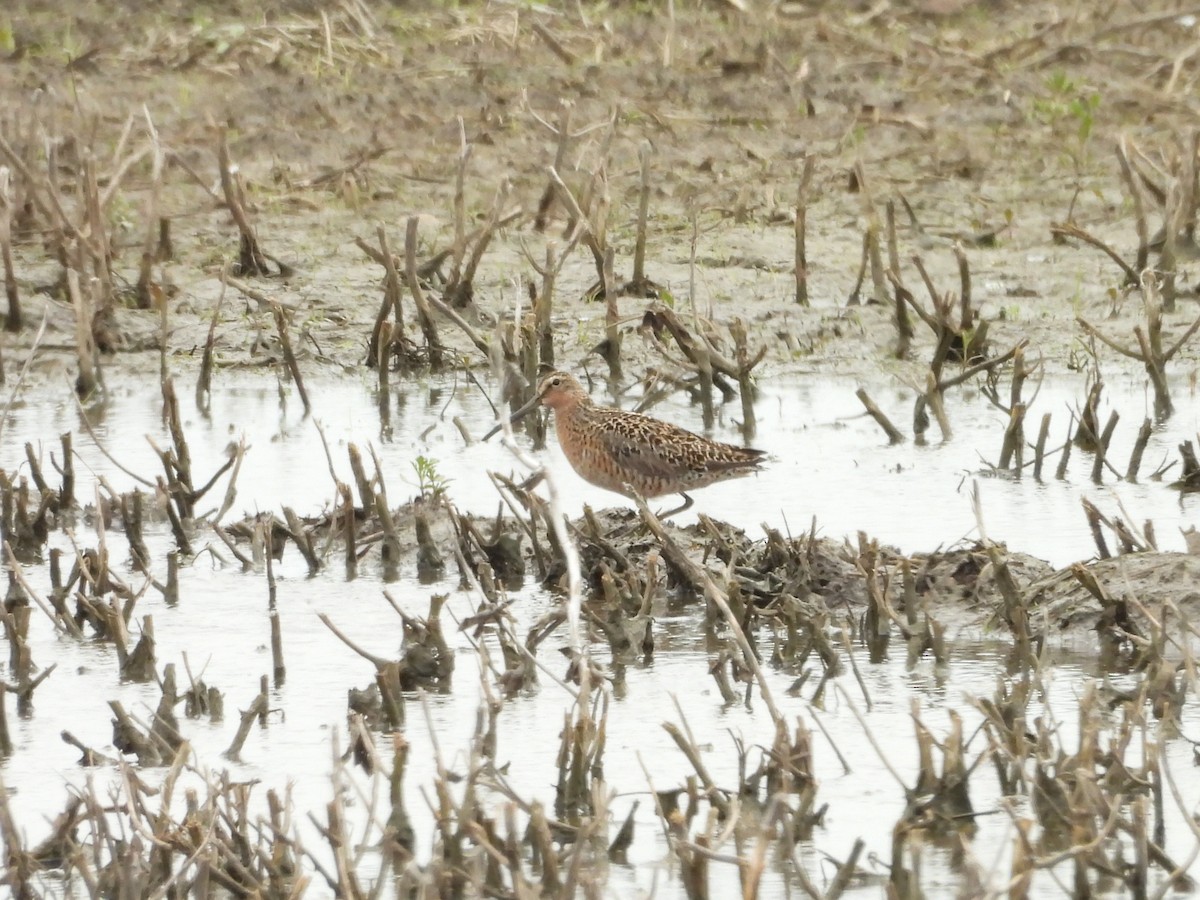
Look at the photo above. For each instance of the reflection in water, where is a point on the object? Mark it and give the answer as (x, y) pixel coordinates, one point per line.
(824, 464)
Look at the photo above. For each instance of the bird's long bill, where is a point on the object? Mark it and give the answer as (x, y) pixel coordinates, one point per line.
(517, 416)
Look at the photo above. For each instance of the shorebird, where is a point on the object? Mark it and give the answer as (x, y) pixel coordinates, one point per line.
(631, 453)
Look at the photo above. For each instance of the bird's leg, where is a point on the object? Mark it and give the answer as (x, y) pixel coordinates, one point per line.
(687, 504)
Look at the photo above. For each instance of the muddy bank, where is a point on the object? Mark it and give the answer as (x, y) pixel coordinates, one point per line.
(634, 564)
(337, 127)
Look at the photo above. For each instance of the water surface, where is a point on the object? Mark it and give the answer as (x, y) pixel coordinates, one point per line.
(828, 461)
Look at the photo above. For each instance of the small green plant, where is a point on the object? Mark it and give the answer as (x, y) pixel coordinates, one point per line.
(121, 214)
(854, 138)
(430, 481)
(1066, 100)
(1083, 108)
(583, 333)
(70, 46)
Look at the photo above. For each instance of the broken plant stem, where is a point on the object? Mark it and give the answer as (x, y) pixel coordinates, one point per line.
(433, 345)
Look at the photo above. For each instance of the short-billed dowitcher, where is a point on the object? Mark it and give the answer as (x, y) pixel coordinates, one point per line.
(628, 452)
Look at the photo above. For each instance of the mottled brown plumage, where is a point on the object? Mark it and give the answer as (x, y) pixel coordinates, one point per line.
(619, 450)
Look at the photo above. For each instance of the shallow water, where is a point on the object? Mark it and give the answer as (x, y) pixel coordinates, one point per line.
(829, 461)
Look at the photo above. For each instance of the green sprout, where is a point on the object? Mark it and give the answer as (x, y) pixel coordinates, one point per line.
(430, 481)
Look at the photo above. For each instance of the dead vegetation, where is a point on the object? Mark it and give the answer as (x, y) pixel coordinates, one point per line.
(124, 226)
(816, 612)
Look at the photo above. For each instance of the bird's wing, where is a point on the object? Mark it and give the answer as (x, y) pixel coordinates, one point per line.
(651, 448)
(659, 449)
(736, 458)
